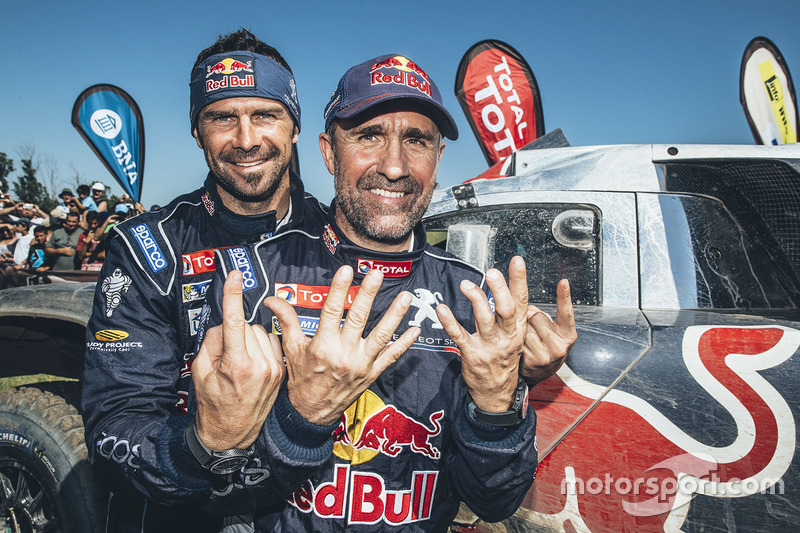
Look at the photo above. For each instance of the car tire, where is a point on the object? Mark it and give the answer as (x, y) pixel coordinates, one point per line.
(46, 482)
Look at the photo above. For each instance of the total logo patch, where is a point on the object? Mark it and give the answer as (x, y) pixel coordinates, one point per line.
(149, 246)
(241, 262)
(309, 296)
(192, 292)
(198, 262)
(390, 269)
(110, 335)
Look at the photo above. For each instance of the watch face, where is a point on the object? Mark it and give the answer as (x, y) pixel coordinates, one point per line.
(228, 465)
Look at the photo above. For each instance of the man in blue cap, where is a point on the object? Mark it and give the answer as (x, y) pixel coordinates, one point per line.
(418, 379)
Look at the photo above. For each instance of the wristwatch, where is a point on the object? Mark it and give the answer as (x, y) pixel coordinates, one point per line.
(222, 462)
(512, 417)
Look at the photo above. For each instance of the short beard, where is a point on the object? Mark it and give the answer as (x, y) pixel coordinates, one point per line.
(348, 202)
(228, 184)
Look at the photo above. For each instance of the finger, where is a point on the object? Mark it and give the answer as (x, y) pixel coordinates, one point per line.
(358, 314)
(287, 317)
(382, 334)
(451, 326)
(565, 315)
(209, 353)
(485, 321)
(233, 337)
(505, 307)
(332, 310)
(518, 280)
(394, 351)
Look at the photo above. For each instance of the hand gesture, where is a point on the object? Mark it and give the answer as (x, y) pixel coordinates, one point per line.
(328, 372)
(237, 374)
(547, 343)
(490, 357)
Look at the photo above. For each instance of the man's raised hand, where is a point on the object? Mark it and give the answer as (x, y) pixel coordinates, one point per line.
(237, 374)
(328, 372)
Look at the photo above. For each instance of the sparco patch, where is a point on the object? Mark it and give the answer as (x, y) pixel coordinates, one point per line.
(241, 261)
(149, 247)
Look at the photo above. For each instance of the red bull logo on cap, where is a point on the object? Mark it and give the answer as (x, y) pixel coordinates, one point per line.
(409, 74)
(230, 73)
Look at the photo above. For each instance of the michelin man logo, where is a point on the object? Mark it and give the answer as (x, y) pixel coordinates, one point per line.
(425, 301)
(113, 287)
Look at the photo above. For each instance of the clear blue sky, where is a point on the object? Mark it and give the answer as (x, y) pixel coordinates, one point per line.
(609, 72)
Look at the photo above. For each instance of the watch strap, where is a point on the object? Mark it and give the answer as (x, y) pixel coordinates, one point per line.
(509, 418)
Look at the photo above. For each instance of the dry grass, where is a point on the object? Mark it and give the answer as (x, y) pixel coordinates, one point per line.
(18, 381)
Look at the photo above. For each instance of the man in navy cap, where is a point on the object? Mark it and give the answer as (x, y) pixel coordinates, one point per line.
(418, 379)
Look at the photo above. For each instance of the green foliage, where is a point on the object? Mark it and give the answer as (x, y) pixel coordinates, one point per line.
(6, 168)
(27, 188)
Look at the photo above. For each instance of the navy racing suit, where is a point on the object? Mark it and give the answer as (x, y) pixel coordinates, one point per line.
(407, 451)
(140, 346)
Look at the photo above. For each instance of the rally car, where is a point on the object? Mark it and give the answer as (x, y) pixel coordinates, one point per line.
(675, 409)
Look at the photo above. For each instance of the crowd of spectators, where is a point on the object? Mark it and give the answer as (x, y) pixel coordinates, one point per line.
(71, 237)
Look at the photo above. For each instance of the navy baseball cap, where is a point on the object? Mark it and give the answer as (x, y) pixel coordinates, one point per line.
(384, 78)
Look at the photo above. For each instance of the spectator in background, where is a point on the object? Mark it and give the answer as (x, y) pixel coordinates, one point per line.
(57, 218)
(22, 229)
(27, 210)
(38, 258)
(99, 196)
(65, 195)
(84, 194)
(63, 243)
(91, 245)
(7, 241)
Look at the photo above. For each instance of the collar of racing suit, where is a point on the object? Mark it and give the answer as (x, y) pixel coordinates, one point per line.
(393, 264)
(263, 225)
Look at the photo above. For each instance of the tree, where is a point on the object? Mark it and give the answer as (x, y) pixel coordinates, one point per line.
(27, 188)
(51, 181)
(6, 168)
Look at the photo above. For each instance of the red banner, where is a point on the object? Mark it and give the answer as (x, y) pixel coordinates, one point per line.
(498, 93)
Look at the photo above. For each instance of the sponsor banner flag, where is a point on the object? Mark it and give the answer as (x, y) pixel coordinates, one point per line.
(498, 93)
(767, 93)
(111, 123)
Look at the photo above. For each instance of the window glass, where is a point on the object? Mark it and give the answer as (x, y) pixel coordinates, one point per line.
(556, 240)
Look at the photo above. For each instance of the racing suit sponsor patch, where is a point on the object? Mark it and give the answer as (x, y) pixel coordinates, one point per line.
(362, 498)
(192, 292)
(390, 269)
(241, 262)
(149, 247)
(198, 262)
(113, 287)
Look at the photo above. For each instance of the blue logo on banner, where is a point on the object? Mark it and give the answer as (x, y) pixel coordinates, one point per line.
(149, 247)
(241, 261)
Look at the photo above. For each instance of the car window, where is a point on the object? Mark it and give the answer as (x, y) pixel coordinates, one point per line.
(556, 240)
(694, 255)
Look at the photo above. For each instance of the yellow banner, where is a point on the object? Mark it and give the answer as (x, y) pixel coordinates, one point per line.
(773, 86)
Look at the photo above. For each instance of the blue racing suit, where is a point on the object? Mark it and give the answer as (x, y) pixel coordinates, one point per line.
(139, 350)
(407, 451)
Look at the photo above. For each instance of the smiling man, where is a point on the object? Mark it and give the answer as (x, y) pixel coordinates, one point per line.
(245, 117)
(411, 370)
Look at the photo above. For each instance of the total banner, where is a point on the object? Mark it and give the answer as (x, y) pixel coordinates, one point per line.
(498, 92)
(111, 123)
(767, 93)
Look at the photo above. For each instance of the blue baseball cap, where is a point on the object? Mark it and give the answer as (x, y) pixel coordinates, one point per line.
(384, 78)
